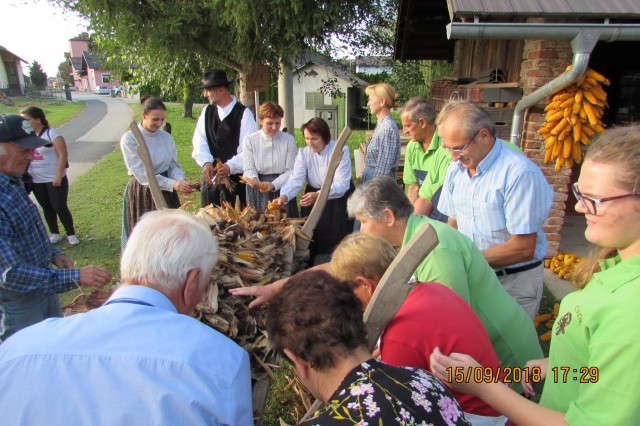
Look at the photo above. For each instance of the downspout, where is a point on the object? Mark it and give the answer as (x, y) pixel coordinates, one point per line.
(583, 39)
(582, 46)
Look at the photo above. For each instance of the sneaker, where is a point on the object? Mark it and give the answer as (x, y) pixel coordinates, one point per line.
(73, 240)
(55, 238)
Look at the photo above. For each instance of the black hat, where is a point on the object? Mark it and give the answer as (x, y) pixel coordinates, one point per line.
(214, 78)
(16, 129)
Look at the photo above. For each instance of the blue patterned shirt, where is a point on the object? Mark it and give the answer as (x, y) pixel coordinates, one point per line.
(508, 196)
(383, 151)
(26, 255)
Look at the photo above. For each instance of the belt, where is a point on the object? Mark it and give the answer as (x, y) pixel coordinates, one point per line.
(508, 271)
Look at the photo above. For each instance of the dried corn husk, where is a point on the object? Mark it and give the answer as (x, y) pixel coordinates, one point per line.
(255, 248)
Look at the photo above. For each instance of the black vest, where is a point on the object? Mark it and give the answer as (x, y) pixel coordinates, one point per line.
(223, 137)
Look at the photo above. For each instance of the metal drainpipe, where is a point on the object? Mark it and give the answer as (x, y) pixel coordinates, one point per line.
(582, 46)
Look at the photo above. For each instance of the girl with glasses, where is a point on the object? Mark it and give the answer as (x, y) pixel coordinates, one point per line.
(591, 375)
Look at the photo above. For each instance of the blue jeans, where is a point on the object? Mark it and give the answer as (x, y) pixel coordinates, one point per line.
(18, 310)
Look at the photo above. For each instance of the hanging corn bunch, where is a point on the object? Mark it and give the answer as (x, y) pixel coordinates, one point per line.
(572, 118)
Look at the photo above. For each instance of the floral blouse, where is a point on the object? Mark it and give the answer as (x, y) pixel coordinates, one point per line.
(375, 393)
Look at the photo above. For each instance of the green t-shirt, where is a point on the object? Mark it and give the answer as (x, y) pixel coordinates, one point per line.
(426, 168)
(458, 264)
(596, 332)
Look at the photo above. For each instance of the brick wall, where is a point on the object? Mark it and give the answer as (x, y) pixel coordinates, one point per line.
(543, 60)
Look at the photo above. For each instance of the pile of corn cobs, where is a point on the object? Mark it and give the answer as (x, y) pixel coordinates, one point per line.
(255, 248)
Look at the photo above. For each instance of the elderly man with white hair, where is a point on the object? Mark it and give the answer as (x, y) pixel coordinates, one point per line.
(140, 358)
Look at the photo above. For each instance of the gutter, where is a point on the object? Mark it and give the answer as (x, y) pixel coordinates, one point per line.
(583, 38)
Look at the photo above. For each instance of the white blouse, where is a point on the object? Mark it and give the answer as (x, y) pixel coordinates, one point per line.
(312, 167)
(265, 155)
(163, 153)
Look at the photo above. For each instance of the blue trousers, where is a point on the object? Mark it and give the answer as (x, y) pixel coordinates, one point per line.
(18, 310)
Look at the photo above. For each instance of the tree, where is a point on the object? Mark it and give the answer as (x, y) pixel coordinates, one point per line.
(38, 76)
(64, 71)
(234, 34)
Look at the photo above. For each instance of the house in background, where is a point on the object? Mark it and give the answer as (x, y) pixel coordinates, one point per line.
(11, 76)
(374, 64)
(86, 68)
(311, 73)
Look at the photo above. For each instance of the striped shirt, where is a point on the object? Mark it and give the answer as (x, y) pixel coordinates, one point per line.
(508, 196)
(268, 156)
(383, 151)
(311, 167)
(25, 251)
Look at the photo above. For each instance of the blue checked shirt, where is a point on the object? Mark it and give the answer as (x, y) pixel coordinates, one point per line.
(383, 151)
(508, 196)
(26, 255)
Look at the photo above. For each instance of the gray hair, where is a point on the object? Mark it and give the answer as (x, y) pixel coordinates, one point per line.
(164, 246)
(372, 198)
(472, 117)
(417, 108)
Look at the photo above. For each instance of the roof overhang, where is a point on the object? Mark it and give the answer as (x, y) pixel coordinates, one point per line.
(421, 30)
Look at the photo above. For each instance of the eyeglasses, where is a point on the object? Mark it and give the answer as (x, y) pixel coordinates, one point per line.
(590, 203)
(460, 151)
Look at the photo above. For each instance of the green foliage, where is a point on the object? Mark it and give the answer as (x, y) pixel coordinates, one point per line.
(408, 80)
(38, 76)
(170, 43)
(64, 71)
(57, 112)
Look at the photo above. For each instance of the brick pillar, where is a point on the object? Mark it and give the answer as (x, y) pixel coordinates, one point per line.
(543, 60)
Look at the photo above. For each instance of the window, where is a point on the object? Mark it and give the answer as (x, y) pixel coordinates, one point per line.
(106, 78)
(313, 99)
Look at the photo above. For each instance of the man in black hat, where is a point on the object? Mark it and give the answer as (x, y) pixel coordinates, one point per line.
(221, 129)
(32, 270)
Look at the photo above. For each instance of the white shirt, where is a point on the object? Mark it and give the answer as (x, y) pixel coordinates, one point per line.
(45, 159)
(163, 153)
(201, 152)
(265, 155)
(312, 167)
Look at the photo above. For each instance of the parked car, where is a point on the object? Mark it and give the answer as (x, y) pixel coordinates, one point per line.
(101, 90)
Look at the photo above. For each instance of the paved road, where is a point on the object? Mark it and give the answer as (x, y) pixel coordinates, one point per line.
(95, 132)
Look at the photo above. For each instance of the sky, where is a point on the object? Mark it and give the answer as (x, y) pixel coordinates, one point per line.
(36, 30)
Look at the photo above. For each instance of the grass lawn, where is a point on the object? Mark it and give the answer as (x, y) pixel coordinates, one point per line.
(57, 112)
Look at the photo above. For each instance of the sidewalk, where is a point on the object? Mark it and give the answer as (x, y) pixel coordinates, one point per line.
(573, 241)
(95, 132)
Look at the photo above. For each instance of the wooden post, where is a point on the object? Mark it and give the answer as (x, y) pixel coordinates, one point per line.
(143, 152)
(302, 245)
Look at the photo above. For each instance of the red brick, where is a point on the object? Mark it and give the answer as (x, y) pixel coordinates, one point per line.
(553, 248)
(559, 196)
(539, 72)
(554, 221)
(542, 54)
(553, 237)
(526, 65)
(558, 180)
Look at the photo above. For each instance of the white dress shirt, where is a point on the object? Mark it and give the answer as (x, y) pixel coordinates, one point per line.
(311, 167)
(163, 153)
(201, 152)
(265, 155)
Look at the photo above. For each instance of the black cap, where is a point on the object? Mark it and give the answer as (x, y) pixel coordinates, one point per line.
(16, 129)
(215, 78)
